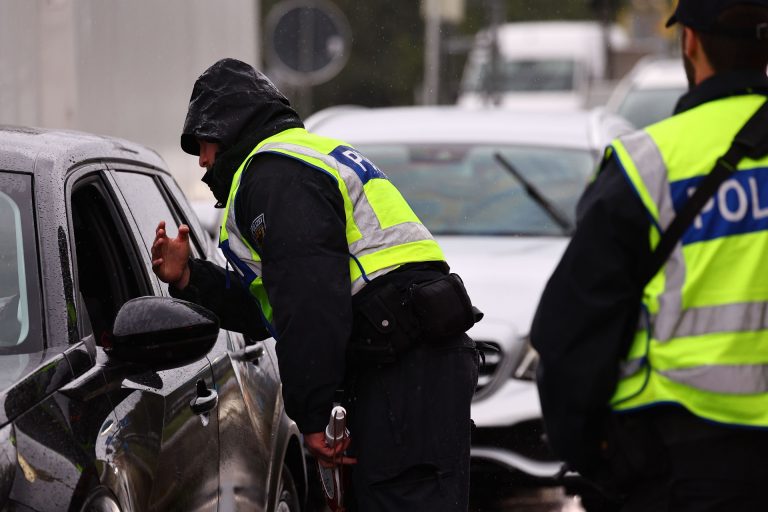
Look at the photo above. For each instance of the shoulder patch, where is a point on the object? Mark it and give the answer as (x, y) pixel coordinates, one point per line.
(258, 229)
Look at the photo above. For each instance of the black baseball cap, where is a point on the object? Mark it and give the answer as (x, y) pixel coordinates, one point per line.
(702, 15)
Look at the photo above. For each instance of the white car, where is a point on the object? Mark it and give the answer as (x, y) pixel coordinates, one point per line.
(649, 92)
(542, 65)
(453, 167)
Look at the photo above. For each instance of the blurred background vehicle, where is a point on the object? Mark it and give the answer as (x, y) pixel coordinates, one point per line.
(649, 92)
(51, 67)
(116, 396)
(453, 167)
(538, 65)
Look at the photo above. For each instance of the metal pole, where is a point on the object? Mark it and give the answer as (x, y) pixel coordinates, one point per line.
(432, 53)
(258, 31)
(606, 20)
(493, 84)
(307, 41)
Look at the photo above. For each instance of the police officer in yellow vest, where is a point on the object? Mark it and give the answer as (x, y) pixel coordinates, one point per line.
(329, 259)
(659, 390)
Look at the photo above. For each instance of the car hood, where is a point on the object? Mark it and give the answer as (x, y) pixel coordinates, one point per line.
(504, 276)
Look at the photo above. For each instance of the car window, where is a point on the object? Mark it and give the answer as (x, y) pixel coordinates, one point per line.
(149, 204)
(522, 75)
(464, 190)
(643, 107)
(200, 236)
(108, 268)
(20, 315)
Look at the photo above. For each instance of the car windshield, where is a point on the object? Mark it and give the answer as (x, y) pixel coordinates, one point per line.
(20, 324)
(464, 190)
(643, 107)
(522, 76)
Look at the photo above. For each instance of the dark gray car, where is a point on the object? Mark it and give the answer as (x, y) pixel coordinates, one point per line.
(115, 396)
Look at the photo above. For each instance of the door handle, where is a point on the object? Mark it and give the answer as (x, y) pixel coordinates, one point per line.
(206, 399)
(252, 353)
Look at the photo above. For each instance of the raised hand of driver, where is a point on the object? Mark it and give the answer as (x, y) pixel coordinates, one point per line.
(170, 256)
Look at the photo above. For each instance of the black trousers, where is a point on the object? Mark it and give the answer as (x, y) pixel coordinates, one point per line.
(410, 425)
(698, 467)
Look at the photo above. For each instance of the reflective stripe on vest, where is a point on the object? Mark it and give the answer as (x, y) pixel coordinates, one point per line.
(366, 234)
(382, 231)
(703, 339)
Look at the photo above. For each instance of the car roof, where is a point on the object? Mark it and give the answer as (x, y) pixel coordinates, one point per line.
(450, 124)
(22, 149)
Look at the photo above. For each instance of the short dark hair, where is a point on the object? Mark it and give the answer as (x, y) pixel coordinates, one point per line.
(730, 53)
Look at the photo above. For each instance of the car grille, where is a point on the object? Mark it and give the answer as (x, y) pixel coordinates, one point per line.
(488, 371)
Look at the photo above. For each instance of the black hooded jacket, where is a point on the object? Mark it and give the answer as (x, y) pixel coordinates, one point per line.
(294, 217)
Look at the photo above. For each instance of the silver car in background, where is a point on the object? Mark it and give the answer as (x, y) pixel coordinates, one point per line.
(649, 92)
(463, 173)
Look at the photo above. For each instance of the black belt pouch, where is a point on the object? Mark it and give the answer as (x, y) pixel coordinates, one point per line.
(443, 307)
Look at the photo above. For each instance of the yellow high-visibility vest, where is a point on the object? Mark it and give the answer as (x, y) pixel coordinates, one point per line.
(703, 339)
(382, 231)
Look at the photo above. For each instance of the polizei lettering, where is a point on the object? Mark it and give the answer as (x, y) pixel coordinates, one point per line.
(740, 206)
(364, 168)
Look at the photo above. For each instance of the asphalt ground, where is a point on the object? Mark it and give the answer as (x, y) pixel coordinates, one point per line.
(517, 500)
(533, 500)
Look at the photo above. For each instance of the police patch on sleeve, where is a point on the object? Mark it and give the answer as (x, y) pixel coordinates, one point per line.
(258, 229)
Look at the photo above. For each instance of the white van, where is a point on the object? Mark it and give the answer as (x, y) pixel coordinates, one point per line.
(540, 65)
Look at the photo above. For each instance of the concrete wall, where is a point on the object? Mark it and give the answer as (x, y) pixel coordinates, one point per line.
(118, 67)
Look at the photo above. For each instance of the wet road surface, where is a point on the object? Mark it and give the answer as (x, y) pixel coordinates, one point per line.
(533, 500)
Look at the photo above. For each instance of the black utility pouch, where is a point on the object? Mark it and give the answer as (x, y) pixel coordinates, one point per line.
(383, 327)
(443, 308)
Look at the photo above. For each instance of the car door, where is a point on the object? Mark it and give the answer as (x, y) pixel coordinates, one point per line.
(246, 379)
(162, 455)
(48, 456)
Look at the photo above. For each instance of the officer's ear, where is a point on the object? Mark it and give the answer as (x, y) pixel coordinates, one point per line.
(690, 42)
(698, 66)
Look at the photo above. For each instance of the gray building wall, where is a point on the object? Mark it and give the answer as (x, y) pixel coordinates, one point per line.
(118, 67)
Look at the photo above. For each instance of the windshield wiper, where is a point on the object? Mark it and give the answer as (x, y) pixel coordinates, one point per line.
(555, 214)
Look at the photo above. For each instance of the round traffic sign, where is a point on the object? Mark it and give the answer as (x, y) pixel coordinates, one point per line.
(308, 40)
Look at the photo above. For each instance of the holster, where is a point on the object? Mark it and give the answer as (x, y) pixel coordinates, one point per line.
(392, 320)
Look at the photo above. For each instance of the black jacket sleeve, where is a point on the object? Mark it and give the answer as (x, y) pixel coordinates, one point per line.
(588, 314)
(222, 292)
(301, 239)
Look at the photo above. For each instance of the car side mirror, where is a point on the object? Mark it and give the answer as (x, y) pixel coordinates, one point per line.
(162, 333)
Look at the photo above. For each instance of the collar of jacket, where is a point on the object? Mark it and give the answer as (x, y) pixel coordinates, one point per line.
(228, 161)
(723, 85)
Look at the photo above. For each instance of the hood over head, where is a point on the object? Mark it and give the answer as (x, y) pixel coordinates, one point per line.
(226, 98)
(236, 106)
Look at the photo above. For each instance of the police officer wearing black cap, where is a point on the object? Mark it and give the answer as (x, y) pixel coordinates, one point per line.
(653, 379)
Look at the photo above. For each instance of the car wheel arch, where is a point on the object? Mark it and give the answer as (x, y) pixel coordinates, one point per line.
(101, 499)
